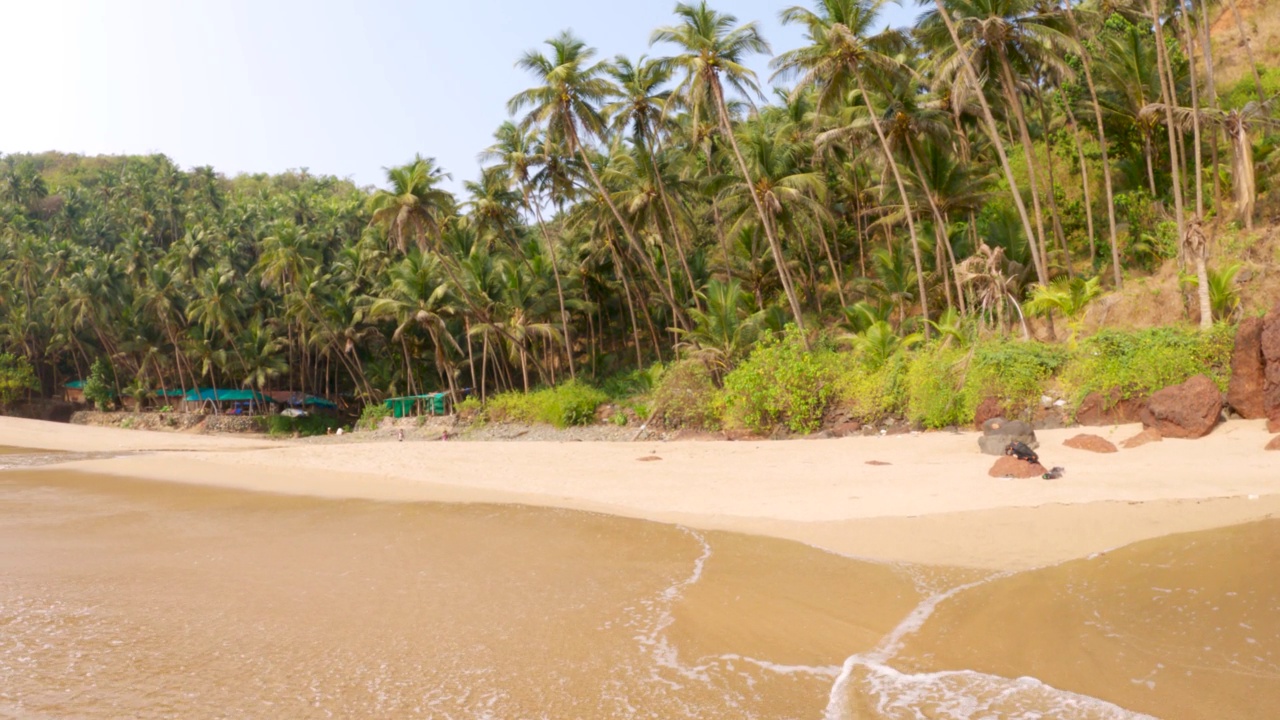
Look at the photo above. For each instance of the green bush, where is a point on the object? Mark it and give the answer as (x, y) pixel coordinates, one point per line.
(371, 415)
(935, 380)
(1011, 371)
(284, 426)
(573, 403)
(686, 397)
(99, 387)
(16, 378)
(866, 393)
(781, 384)
(1138, 363)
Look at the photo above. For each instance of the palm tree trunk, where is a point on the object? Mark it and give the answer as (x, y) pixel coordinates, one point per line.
(1028, 151)
(555, 272)
(994, 133)
(774, 246)
(671, 221)
(1188, 39)
(1207, 47)
(939, 224)
(676, 310)
(906, 202)
(1053, 187)
(1248, 49)
(1084, 179)
(1102, 144)
(836, 276)
(1169, 100)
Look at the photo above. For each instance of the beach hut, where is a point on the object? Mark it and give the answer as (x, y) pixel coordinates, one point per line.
(230, 402)
(73, 392)
(429, 404)
(302, 401)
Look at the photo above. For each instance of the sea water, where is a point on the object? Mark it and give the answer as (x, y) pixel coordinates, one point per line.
(123, 598)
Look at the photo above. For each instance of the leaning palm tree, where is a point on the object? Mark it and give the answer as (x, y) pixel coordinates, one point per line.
(713, 53)
(415, 208)
(841, 55)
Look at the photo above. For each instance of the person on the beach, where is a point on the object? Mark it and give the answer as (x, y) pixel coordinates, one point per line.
(1022, 452)
(400, 435)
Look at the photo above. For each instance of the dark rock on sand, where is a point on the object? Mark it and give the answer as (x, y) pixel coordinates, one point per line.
(997, 433)
(1274, 444)
(1248, 371)
(1092, 443)
(1149, 435)
(1187, 411)
(1012, 467)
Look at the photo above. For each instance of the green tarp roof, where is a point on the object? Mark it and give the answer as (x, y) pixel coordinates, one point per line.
(221, 395)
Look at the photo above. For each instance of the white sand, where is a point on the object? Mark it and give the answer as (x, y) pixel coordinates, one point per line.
(934, 503)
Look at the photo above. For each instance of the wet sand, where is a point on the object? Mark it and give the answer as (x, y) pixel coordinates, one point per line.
(934, 503)
(331, 595)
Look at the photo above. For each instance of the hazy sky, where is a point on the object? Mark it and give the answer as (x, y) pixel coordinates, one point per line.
(340, 87)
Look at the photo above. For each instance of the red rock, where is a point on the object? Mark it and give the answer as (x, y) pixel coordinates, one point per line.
(847, 428)
(1270, 345)
(878, 463)
(1248, 372)
(1110, 409)
(1149, 435)
(1273, 426)
(1274, 444)
(1092, 443)
(987, 409)
(1012, 467)
(1188, 411)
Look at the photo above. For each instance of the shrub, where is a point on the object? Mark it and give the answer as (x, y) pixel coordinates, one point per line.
(573, 403)
(781, 384)
(99, 387)
(372, 415)
(1141, 362)
(284, 426)
(686, 397)
(16, 378)
(934, 382)
(867, 393)
(1013, 372)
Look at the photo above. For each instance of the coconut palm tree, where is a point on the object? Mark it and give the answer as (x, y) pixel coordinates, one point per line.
(843, 53)
(713, 48)
(415, 209)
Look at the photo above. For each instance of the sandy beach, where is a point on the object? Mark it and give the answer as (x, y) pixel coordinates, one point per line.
(933, 503)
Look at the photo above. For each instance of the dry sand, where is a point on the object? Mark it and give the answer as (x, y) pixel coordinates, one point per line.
(932, 503)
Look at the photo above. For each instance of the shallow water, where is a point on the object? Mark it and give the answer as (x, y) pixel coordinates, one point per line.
(123, 598)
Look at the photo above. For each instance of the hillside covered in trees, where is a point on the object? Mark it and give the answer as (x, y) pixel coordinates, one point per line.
(985, 173)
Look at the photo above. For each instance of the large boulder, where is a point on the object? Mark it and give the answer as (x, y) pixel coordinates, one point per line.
(1187, 411)
(1012, 467)
(1248, 371)
(1097, 409)
(997, 433)
(1274, 444)
(1091, 443)
(1270, 343)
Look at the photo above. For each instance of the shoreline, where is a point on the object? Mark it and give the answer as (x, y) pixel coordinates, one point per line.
(934, 503)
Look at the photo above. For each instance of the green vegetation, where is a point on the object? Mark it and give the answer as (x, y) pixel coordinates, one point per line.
(17, 379)
(638, 213)
(372, 415)
(99, 387)
(282, 426)
(566, 405)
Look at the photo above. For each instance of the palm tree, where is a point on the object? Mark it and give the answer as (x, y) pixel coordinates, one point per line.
(566, 105)
(842, 53)
(725, 330)
(415, 208)
(714, 50)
